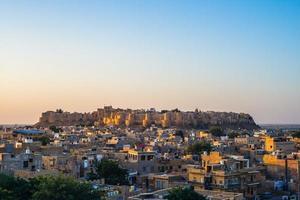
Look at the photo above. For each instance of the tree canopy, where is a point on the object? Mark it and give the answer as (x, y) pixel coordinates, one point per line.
(186, 193)
(55, 129)
(216, 131)
(44, 140)
(233, 135)
(56, 188)
(45, 188)
(59, 110)
(14, 188)
(180, 133)
(199, 147)
(111, 172)
(296, 134)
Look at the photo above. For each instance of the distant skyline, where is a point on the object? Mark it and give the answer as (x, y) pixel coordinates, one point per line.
(239, 56)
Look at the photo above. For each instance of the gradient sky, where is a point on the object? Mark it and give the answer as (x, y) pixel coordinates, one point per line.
(241, 56)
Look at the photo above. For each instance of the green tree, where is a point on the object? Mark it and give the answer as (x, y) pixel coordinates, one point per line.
(175, 110)
(59, 110)
(59, 187)
(186, 193)
(46, 188)
(199, 147)
(180, 133)
(15, 188)
(111, 172)
(44, 140)
(6, 194)
(55, 129)
(216, 131)
(296, 134)
(233, 135)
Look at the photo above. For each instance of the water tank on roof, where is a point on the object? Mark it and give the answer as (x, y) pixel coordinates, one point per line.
(278, 185)
(27, 151)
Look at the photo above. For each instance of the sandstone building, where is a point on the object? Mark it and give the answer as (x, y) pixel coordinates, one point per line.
(109, 116)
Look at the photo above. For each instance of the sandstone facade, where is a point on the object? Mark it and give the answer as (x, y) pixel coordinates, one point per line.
(145, 118)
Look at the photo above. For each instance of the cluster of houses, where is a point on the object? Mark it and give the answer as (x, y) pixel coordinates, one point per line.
(256, 165)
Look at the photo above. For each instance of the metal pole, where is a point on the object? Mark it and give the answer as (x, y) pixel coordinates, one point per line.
(298, 170)
(286, 175)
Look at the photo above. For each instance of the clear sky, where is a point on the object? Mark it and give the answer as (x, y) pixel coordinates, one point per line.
(241, 56)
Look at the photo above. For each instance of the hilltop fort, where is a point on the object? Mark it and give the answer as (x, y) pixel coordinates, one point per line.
(144, 118)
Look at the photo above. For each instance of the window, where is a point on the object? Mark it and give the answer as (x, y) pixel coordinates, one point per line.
(143, 157)
(158, 184)
(25, 164)
(150, 157)
(152, 169)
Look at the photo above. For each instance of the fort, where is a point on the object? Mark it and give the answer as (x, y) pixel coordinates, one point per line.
(145, 118)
